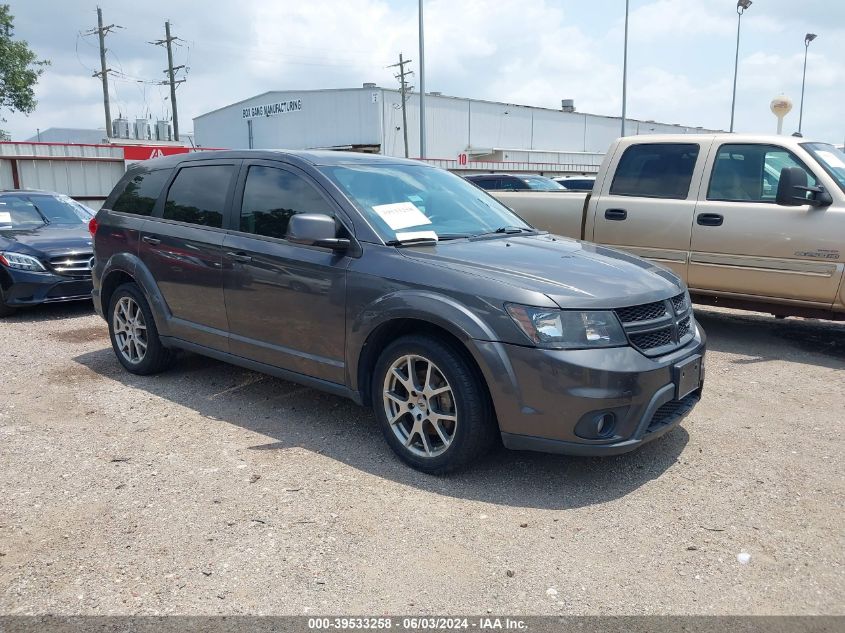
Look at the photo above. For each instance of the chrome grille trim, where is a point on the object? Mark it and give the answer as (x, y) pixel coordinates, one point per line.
(72, 265)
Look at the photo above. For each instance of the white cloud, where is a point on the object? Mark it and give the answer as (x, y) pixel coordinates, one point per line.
(535, 52)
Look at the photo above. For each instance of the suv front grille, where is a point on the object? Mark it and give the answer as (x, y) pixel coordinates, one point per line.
(680, 304)
(659, 327)
(650, 340)
(645, 312)
(76, 265)
(683, 327)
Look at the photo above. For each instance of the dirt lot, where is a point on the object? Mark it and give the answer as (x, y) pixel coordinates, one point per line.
(211, 489)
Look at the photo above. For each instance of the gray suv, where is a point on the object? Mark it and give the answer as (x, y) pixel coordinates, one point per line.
(402, 287)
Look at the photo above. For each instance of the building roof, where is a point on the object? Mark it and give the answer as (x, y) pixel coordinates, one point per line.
(68, 135)
(439, 95)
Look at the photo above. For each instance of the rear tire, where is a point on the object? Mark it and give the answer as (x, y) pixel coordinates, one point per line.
(133, 333)
(432, 405)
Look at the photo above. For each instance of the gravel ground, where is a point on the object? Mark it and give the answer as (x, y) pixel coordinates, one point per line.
(214, 490)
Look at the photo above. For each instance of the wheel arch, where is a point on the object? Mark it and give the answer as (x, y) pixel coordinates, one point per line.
(424, 313)
(127, 268)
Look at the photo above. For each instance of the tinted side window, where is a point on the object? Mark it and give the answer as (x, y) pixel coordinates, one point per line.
(510, 183)
(750, 173)
(141, 192)
(655, 170)
(485, 183)
(198, 195)
(272, 196)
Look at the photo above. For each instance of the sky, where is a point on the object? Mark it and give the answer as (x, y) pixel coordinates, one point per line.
(530, 52)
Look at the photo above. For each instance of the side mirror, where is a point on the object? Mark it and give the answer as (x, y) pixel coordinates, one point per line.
(316, 229)
(793, 189)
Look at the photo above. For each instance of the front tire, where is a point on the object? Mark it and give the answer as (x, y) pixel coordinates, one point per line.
(133, 333)
(4, 309)
(431, 405)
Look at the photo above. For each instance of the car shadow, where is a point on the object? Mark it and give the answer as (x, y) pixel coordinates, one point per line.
(50, 311)
(292, 416)
(760, 338)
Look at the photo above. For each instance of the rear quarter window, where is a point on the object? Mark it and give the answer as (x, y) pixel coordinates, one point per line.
(198, 195)
(655, 170)
(140, 192)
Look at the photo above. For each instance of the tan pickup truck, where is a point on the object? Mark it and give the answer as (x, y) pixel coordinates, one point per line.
(750, 222)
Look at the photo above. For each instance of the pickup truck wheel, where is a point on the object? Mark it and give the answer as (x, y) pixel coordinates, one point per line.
(133, 333)
(431, 405)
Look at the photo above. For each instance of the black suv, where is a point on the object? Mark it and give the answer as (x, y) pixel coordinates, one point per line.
(45, 249)
(403, 287)
(508, 182)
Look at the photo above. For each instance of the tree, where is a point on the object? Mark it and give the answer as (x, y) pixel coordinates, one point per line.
(20, 68)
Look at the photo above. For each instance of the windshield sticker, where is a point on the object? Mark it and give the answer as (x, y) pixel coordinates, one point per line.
(5, 217)
(416, 235)
(401, 215)
(831, 159)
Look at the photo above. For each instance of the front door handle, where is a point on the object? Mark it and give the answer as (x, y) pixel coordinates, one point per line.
(710, 219)
(240, 257)
(151, 240)
(615, 214)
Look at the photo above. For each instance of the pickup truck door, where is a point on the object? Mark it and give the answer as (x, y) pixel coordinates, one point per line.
(647, 208)
(744, 243)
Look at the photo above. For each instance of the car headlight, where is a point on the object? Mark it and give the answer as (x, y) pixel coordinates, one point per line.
(568, 329)
(21, 261)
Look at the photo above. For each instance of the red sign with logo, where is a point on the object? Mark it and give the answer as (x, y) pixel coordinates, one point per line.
(146, 152)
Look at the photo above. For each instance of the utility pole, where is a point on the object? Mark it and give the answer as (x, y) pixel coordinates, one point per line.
(171, 72)
(103, 74)
(403, 91)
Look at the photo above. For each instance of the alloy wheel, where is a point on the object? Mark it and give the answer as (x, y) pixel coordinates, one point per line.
(130, 330)
(420, 406)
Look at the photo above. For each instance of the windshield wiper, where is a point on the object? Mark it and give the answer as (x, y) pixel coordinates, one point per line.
(441, 237)
(413, 241)
(506, 230)
(38, 211)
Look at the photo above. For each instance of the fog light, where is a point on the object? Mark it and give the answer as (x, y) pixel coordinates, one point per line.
(605, 422)
(598, 425)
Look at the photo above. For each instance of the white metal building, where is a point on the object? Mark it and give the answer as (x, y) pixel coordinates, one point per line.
(370, 119)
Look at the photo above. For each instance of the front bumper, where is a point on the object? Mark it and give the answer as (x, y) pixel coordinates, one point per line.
(545, 399)
(25, 288)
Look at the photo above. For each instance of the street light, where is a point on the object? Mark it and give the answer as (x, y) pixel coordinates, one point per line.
(741, 7)
(422, 83)
(625, 70)
(807, 39)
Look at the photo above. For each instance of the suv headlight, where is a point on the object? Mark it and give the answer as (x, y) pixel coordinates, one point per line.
(568, 329)
(21, 261)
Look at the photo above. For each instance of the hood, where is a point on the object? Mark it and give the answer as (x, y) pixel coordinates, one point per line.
(573, 274)
(48, 240)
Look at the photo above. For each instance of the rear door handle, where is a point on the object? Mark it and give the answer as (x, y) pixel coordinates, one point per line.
(240, 257)
(615, 214)
(710, 219)
(151, 240)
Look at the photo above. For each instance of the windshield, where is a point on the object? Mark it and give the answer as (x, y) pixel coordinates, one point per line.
(24, 211)
(830, 158)
(408, 201)
(541, 183)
